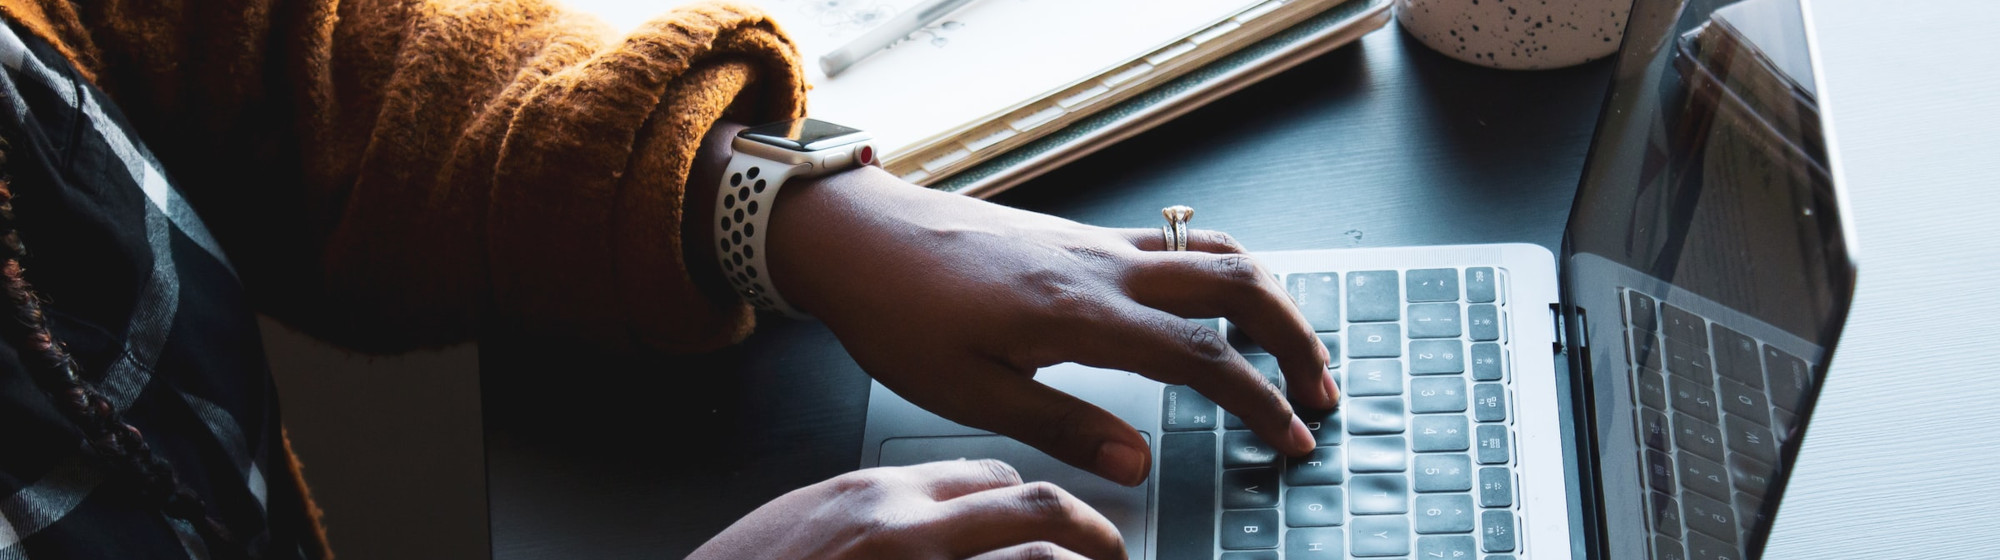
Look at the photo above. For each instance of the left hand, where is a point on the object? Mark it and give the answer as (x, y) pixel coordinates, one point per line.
(954, 303)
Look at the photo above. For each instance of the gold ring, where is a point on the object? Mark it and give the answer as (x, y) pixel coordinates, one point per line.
(1176, 230)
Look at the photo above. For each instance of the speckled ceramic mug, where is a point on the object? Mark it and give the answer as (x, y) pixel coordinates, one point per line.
(1517, 34)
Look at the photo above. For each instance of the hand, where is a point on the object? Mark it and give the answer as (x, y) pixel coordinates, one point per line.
(954, 303)
(948, 509)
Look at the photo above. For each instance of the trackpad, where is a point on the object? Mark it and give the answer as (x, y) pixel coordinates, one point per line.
(1125, 507)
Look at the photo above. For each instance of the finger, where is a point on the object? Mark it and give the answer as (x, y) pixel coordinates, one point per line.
(1199, 240)
(945, 480)
(1012, 404)
(1173, 350)
(1036, 511)
(1030, 551)
(1235, 287)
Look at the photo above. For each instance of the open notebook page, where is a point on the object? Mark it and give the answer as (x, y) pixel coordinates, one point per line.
(983, 59)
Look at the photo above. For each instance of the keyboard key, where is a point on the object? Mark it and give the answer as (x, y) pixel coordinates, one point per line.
(1448, 546)
(1440, 432)
(1736, 357)
(1496, 487)
(1496, 531)
(1693, 399)
(1444, 513)
(1443, 473)
(1702, 547)
(1479, 285)
(1434, 320)
(1493, 446)
(1314, 544)
(1383, 340)
(1377, 454)
(1653, 427)
(1250, 488)
(1744, 402)
(1789, 378)
(1666, 516)
(1436, 356)
(1313, 506)
(1486, 362)
(1750, 439)
(1187, 496)
(1640, 312)
(1668, 549)
(1749, 511)
(1433, 284)
(1483, 322)
(1689, 362)
(1702, 475)
(1332, 343)
(1378, 493)
(1319, 467)
(1373, 296)
(1782, 423)
(1366, 378)
(1660, 471)
(1489, 402)
(1324, 425)
(1751, 476)
(1233, 422)
(1652, 389)
(1698, 436)
(1250, 529)
(1645, 350)
(1373, 415)
(1245, 449)
(1708, 517)
(1684, 327)
(1186, 410)
(1437, 394)
(1317, 294)
(1250, 555)
(1381, 535)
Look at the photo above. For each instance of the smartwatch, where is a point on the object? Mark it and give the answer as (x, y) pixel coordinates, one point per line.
(766, 156)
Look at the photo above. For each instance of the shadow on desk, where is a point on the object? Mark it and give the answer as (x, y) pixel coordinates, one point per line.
(1380, 143)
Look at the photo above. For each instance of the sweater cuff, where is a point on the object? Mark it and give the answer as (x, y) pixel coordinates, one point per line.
(585, 228)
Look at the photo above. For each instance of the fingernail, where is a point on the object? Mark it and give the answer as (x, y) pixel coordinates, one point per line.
(1122, 463)
(1302, 438)
(1332, 391)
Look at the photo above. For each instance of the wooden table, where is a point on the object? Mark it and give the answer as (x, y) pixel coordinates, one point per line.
(1382, 143)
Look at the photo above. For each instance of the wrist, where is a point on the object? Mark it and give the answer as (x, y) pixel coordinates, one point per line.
(818, 230)
(698, 206)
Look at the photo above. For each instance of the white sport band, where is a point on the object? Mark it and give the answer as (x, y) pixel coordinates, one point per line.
(766, 156)
(742, 213)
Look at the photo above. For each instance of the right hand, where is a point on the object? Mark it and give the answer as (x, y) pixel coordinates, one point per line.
(943, 510)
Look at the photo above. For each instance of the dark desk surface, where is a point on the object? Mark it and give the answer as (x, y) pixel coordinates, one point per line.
(1382, 143)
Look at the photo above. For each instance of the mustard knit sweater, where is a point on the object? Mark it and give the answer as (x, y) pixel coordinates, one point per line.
(388, 173)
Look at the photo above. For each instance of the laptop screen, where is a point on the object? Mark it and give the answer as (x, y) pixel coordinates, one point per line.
(1707, 255)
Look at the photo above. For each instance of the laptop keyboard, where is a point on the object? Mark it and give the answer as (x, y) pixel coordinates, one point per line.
(1418, 461)
(1710, 400)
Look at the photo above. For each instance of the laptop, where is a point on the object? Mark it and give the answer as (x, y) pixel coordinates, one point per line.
(1641, 395)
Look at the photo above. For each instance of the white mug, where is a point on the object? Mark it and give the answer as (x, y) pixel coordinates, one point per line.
(1517, 34)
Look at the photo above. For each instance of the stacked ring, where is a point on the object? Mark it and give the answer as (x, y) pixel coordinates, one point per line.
(1176, 231)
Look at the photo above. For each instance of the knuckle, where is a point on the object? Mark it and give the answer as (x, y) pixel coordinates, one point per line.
(1045, 500)
(1238, 269)
(1000, 472)
(1040, 550)
(1223, 242)
(1206, 344)
(861, 483)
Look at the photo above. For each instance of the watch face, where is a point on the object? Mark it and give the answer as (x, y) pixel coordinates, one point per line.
(803, 135)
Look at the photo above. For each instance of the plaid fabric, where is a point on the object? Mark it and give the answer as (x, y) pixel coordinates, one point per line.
(145, 299)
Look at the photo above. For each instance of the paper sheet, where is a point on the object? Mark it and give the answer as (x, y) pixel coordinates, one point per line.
(985, 58)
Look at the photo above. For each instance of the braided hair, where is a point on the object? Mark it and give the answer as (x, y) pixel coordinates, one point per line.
(113, 443)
